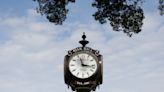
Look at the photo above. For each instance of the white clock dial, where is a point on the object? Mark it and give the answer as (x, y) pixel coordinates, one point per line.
(83, 65)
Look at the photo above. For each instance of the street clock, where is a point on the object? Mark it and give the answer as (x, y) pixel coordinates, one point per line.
(83, 68)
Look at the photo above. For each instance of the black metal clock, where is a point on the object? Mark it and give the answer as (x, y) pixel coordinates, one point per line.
(83, 68)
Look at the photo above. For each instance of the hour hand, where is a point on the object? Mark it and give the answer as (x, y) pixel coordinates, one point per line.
(85, 65)
(88, 65)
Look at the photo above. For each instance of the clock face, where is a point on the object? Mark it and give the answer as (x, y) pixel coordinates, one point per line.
(83, 65)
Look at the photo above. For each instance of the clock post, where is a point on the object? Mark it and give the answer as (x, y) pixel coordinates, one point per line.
(83, 68)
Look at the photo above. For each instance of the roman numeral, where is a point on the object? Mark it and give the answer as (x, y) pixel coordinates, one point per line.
(77, 74)
(91, 60)
(87, 73)
(87, 57)
(72, 65)
(93, 66)
(82, 74)
(91, 70)
(74, 60)
(73, 70)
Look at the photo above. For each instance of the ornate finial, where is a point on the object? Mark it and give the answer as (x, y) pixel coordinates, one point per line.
(83, 42)
(83, 36)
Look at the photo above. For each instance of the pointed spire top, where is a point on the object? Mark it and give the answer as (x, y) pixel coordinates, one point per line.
(83, 42)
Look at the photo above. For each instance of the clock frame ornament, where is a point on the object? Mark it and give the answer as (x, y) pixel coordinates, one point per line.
(83, 68)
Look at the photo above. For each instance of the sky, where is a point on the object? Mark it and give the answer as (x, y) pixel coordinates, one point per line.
(32, 50)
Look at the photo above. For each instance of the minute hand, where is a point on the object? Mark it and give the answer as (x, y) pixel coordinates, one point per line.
(84, 65)
(81, 62)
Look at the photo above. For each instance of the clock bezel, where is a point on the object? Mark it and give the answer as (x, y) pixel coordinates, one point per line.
(87, 52)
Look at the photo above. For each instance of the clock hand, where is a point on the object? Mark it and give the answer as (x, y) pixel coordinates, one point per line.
(88, 65)
(81, 62)
(84, 65)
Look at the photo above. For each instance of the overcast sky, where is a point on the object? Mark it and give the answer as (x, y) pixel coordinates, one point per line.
(32, 50)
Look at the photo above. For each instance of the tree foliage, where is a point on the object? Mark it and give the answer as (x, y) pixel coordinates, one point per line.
(161, 7)
(123, 15)
(55, 10)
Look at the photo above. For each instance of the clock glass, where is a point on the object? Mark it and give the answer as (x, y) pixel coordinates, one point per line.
(83, 65)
